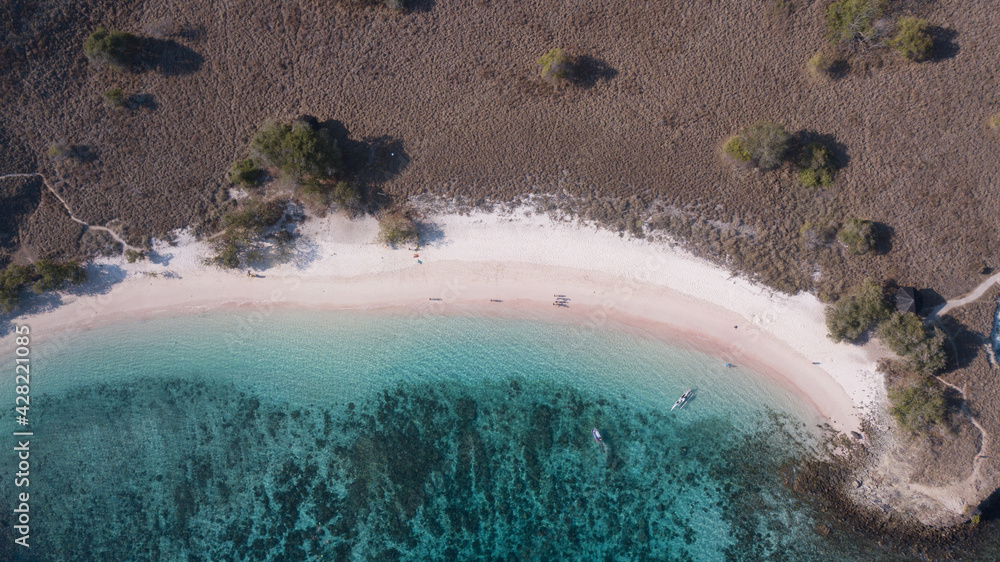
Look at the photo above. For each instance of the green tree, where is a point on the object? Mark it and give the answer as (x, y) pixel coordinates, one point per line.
(52, 276)
(858, 235)
(117, 49)
(763, 144)
(299, 150)
(853, 20)
(912, 41)
(816, 167)
(917, 407)
(921, 348)
(855, 313)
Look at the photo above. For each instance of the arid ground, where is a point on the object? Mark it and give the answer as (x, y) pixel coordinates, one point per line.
(450, 90)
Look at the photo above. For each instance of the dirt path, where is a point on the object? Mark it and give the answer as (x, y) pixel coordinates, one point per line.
(125, 245)
(973, 296)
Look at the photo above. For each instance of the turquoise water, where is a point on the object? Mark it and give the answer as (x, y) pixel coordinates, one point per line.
(299, 435)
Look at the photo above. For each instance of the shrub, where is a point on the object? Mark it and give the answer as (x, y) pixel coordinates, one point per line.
(918, 406)
(397, 228)
(912, 41)
(764, 144)
(734, 148)
(820, 65)
(855, 313)
(853, 20)
(133, 256)
(858, 235)
(556, 67)
(114, 98)
(817, 166)
(299, 150)
(995, 122)
(116, 49)
(814, 235)
(345, 194)
(241, 239)
(922, 349)
(246, 173)
(60, 151)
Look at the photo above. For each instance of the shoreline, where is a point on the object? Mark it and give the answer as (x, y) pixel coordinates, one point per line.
(520, 259)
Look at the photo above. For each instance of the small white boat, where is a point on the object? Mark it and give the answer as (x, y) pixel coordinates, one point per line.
(597, 435)
(684, 398)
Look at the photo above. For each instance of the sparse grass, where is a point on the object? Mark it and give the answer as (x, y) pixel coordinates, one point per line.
(246, 173)
(117, 49)
(556, 67)
(912, 40)
(298, 150)
(857, 312)
(114, 98)
(396, 228)
(816, 166)
(850, 21)
(918, 406)
(763, 144)
(858, 235)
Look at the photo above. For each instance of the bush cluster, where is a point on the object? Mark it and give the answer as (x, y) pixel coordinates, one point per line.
(556, 67)
(912, 40)
(240, 241)
(114, 98)
(820, 65)
(133, 256)
(816, 166)
(299, 150)
(396, 228)
(117, 49)
(41, 276)
(853, 20)
(995, 122)
(858, 235)
(763, 144)
(918, 405)
(921, 348)
(855, 313)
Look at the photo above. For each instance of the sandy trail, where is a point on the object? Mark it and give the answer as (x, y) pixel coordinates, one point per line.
(69, 211)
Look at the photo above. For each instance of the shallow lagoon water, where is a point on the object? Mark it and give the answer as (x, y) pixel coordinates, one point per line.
(346, 436)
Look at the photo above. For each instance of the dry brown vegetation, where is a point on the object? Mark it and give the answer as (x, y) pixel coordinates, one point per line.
(451, 90)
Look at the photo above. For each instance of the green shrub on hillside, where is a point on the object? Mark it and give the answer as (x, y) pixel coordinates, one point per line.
(912, 41)
(858, 235)
(299, 150)
(921, 348)
(820, 65)
(853, 20)
(114, 98)
(995, 122)
(396, 228)
(917, 407)
(855, 313)
(245, 173)
(763, 144)
(556, 67)
(817, 166)
(116, 49)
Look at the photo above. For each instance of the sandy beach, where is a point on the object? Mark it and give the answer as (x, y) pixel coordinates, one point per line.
(520, 259)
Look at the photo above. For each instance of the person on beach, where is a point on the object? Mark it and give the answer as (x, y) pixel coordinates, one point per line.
(249, 275)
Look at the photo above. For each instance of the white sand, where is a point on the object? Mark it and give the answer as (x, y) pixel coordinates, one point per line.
(522, 260)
